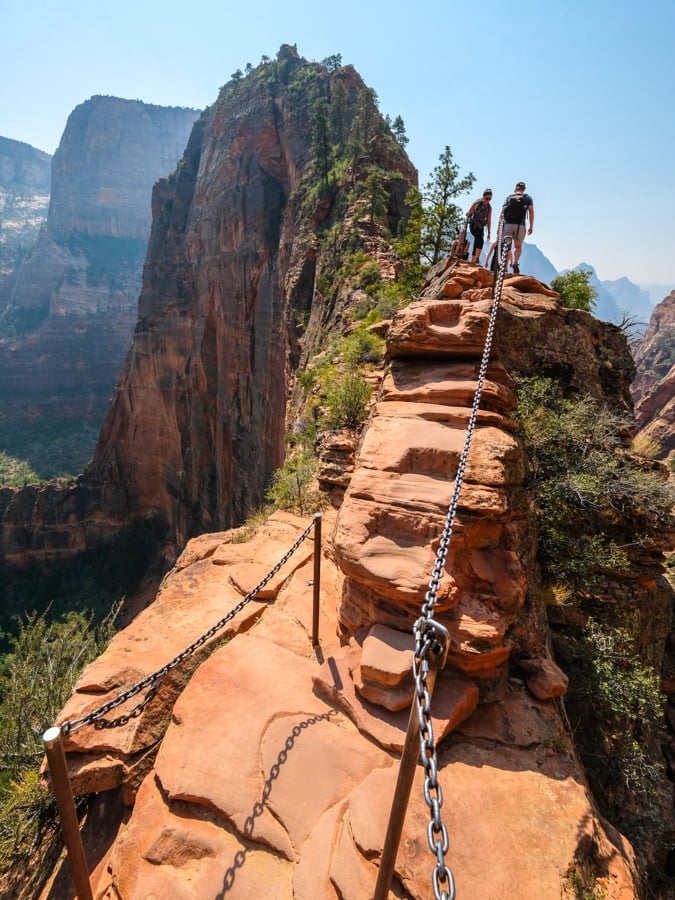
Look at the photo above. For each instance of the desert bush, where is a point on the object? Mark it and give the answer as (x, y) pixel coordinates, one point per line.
(575, 291)
(583, 482)
(290, 488)
(347, 401)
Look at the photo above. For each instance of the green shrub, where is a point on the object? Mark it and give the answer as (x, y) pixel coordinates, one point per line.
(36, 679)
(626, 697)
(583, 482)
(369, 277)
(347, 401)
(290, 488)
(361, 346)
(575, 291)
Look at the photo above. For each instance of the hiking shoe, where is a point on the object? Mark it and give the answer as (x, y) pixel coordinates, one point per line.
(516, 269)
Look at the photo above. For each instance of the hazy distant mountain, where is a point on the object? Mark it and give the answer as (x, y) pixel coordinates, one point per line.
(632, 298)
(535, 263)
(615, 298)
(607, 308)
(657, 292)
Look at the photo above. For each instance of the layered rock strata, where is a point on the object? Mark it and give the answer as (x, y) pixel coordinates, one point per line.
(654, 389)
(74, 299)
(267, 766)
(262, 768)
(24, 200)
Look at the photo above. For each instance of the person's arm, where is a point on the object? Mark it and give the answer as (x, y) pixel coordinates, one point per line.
(530, 210)
(472, 207)
(489, 222)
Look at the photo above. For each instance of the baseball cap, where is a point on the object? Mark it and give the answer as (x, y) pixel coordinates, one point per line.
(520, 186)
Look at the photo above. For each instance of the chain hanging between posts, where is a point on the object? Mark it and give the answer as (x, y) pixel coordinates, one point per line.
(155, 680)
(430, 636)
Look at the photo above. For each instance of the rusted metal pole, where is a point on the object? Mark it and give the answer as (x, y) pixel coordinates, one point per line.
(317, 579)
(58, 773)
(399, 805)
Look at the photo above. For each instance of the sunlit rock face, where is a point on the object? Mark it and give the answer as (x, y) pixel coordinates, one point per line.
(654, 386)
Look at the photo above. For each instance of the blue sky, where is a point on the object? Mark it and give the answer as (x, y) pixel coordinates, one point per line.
(577, 98)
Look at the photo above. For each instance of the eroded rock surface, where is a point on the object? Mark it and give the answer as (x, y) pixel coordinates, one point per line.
(266, 766)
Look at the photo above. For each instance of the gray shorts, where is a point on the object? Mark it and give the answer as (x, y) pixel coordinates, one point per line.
(517, 232)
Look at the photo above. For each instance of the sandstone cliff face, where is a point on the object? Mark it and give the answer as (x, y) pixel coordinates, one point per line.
(298, 808)
(24, 200)
(654, 388)
(198, 419)
(73, 304)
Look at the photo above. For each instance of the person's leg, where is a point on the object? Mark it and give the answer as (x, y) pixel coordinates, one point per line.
(477, 244)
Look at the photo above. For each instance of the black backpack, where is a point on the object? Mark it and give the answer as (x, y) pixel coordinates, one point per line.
(480, 215)
(515, 208)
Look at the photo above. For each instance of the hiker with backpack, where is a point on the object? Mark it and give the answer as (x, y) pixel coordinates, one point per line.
(516, 209)
(478, 216)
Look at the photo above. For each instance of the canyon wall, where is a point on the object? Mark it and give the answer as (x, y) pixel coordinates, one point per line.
(24, 199)
(228, 301)
(68, 322)
(654, 388)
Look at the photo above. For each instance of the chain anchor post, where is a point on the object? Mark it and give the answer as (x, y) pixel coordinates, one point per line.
(438, 644)
(63, 793)
(316, 584)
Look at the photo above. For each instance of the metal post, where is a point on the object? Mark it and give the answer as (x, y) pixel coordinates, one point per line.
(411, 753)
(399, 805)
(317, 579)
(58, 773)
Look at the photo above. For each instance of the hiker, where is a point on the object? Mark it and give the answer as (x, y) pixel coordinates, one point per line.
(460, 246)
(516, 209)
(480, 215)
(494, 256)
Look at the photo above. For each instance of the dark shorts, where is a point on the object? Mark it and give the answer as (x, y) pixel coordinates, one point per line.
(478, 239)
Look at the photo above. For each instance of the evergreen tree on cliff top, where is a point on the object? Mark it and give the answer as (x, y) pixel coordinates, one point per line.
(441, 218)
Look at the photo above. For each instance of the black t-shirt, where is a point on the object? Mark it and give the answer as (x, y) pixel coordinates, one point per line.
(524, 203)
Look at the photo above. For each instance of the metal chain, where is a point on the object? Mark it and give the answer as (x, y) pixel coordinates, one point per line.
(426, 629)
(155, 680)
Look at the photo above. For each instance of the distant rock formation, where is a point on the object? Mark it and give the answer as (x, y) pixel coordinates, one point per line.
(654, 388)
(68, 322)
(24, 200)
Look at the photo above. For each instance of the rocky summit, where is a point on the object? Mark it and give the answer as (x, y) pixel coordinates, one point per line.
(266, 766)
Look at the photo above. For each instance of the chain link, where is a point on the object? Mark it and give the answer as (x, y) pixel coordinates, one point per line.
(156, 679)
(442, 880)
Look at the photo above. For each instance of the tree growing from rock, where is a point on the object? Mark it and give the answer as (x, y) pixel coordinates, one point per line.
(441, 217)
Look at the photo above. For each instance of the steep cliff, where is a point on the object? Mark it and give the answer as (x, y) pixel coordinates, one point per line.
(241, 234)
(654, 388)
(243, 276)
(68, 323)
(24, 199)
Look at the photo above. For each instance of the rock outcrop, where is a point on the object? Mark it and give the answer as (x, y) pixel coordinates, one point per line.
(265, 765)
(198, 420)
(235, 290)
(73, 305)
(654, 388)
